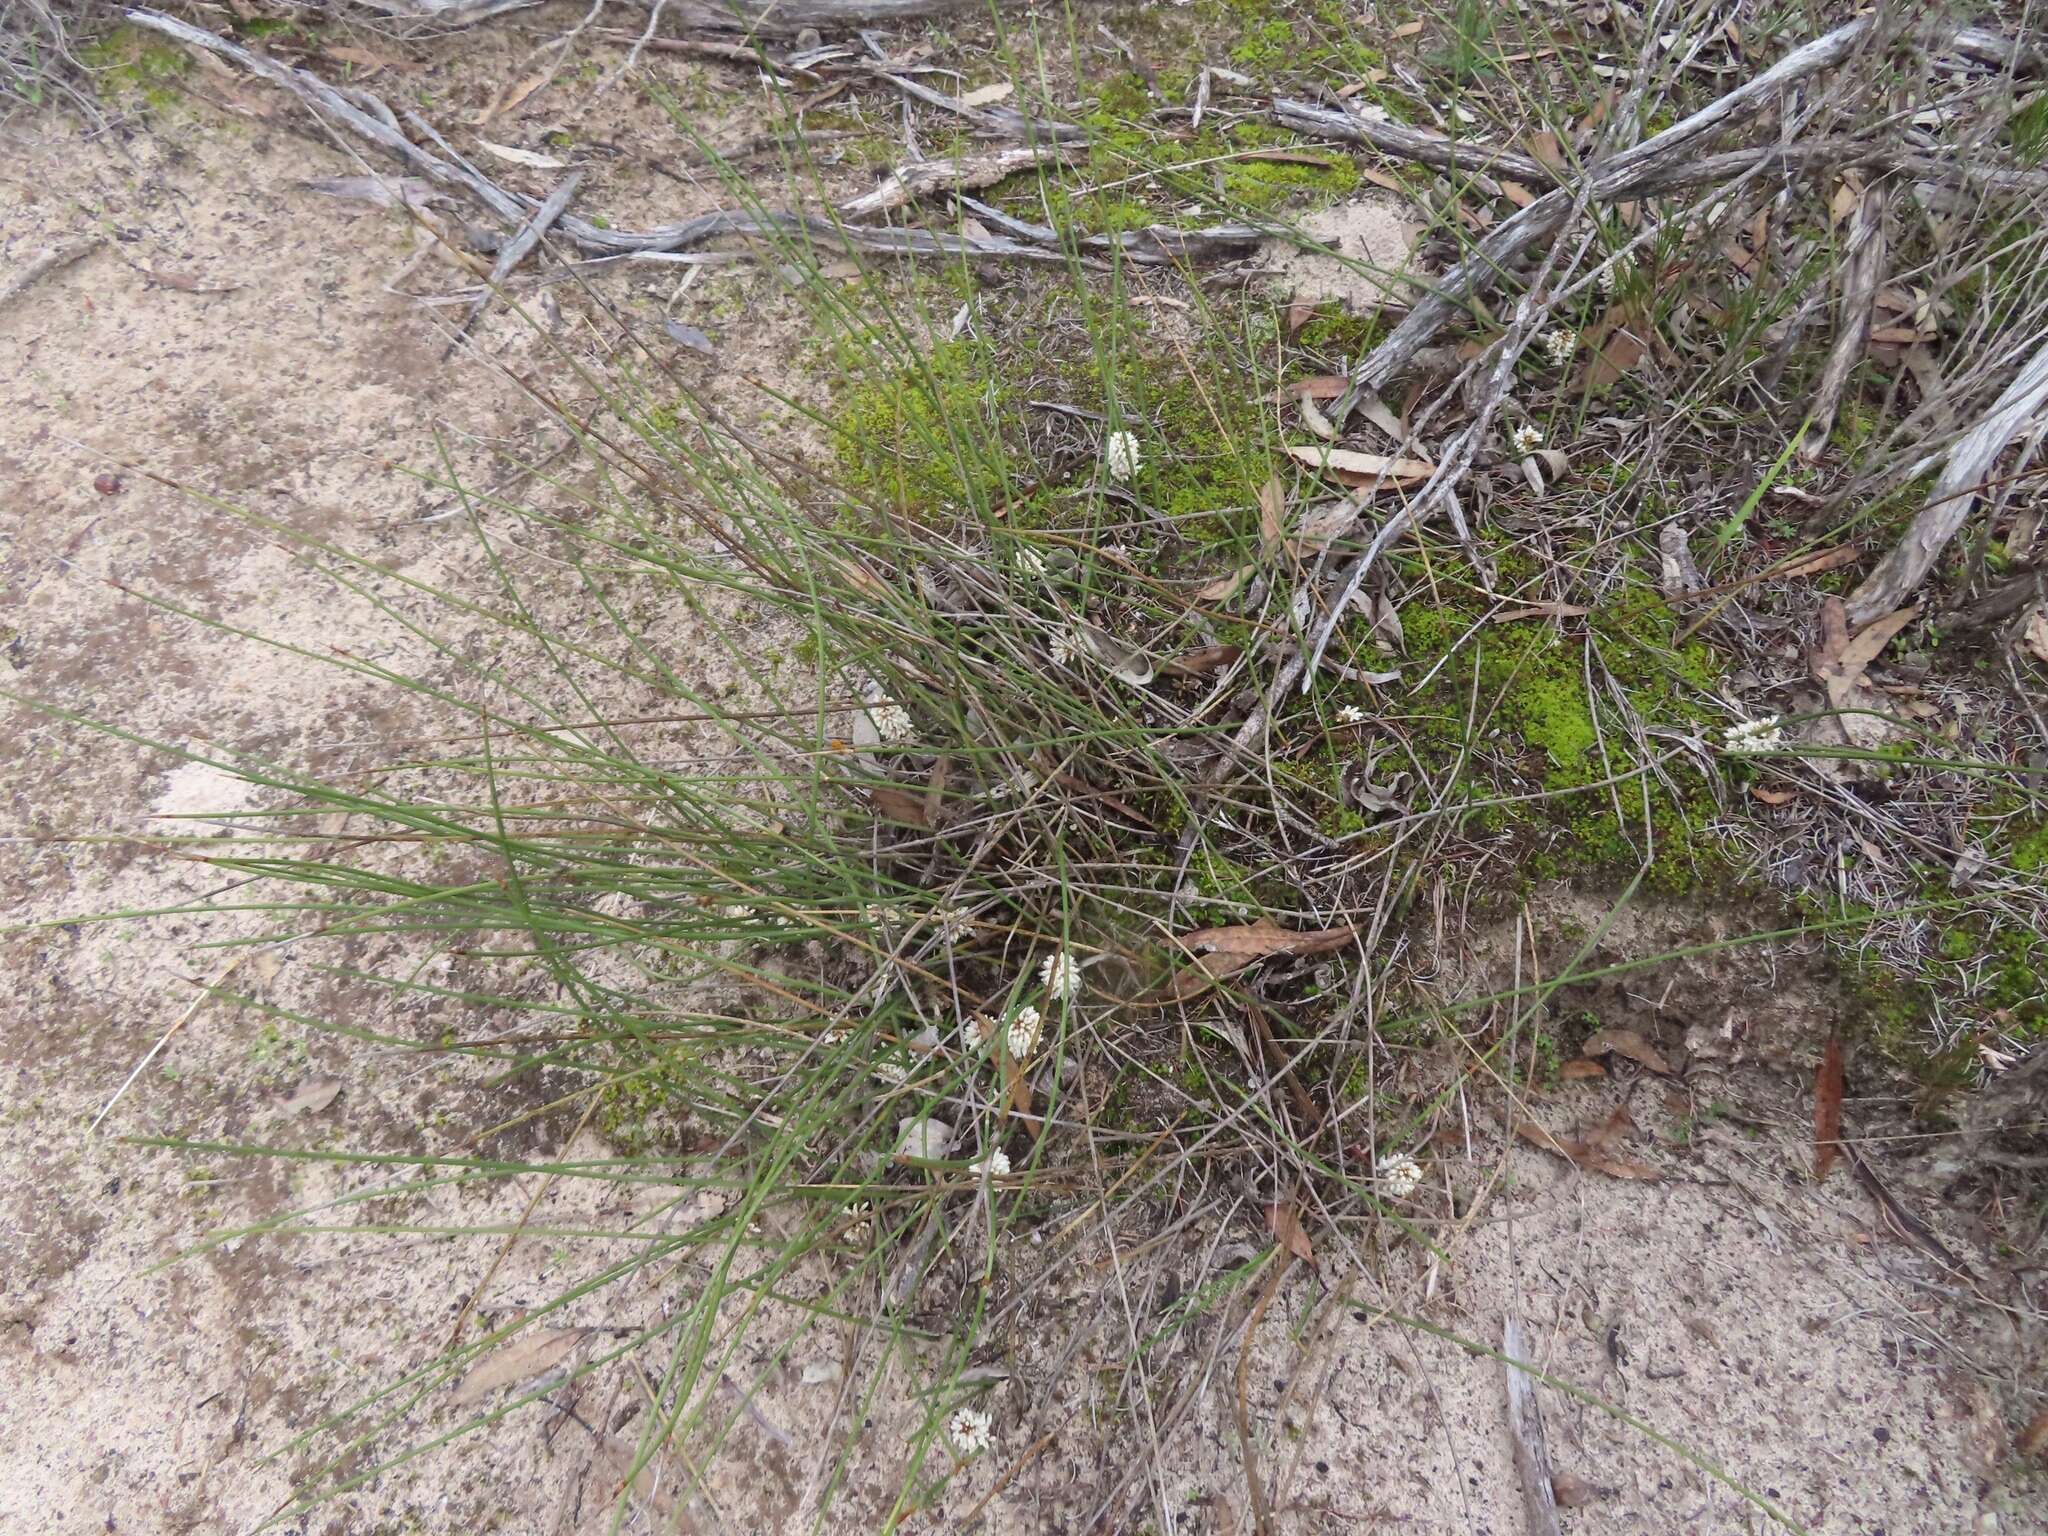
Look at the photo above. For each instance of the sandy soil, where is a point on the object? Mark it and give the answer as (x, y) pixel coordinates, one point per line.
(230, 336)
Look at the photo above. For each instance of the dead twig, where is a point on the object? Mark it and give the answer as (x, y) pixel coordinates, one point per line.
(907, 183)
(1653, 165)
(1862, 276)
(1525, 1430)
(53, 260)
(1954, 494)
(514, 251)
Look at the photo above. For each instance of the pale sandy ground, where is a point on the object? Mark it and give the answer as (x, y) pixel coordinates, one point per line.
(1777, 1330)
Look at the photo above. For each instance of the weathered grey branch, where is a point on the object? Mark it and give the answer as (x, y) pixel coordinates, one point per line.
(1405, 143)
(368, 118)
(515, 250)
(909, 182)
(1525, 1431)
(1862, 274)
(1949, 504)
(1653, 165)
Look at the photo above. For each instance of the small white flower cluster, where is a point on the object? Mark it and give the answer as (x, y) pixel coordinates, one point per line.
(1064, 650)
(1351, 714)
(1399, 1175)
(1526, 438)
(892, 723)
(1061, 974)
(1751, 736)
(862, 1225)
(953, 925)
(970, 1430)
(1560, 345)
(1030, 562)
(1610, 276)
(1120, 456)
(979, 1031)
(1025, 1025)
(996, 1163)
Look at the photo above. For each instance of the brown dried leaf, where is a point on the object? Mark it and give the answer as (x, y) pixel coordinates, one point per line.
(1626, 1042)
(1592, 1154)
(1773, 796)
(1223, 952)
(1224, 588)
(1581, 1069)
(1321, 386)
(1285, 1223)
(1839, 661)
(1616, 355)
(1272, 514)
(1517, 194)
(1827, 1109)
(1355, 468)
(311, 1096)
(899, 805)
(2033, 1440)
(1546, 151)
(529, 1355)
(1203, 660)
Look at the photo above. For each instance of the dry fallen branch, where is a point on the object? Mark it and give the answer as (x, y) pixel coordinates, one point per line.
(515, 251)
(1652, 166)
(1405, 143)
(1862, 276)
(1969, 465)
(1525, 1431)
(369, 118)
(909, 182)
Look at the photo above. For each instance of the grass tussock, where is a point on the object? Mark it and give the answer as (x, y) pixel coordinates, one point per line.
(893, 959)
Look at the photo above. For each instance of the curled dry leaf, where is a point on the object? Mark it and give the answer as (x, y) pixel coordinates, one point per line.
(1827, 1109)
(2033, 1440)
(1203, 660)
(1580, 1070)
(923, 1140)
(1223, 952)
(1626, 1042)
(1224, 588)
(1354, 468)
(512, 155)
(1285, 1222)
(1127, 662)
(1595, 1154)
(530, 1354)
(899, 805)
(1544, 468)
(1322, 526)
(1272, 514)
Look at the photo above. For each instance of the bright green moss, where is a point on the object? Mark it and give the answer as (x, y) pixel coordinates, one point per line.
(130, 61)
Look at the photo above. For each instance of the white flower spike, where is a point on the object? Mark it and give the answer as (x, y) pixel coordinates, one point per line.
(1399, 1175)
(1024, 1028)
(1061, 974)
(1120, 456)
(970, 1431)
(892, 722)
(1527, 438)
(1560, 345)
(1351, 714)
(997, 1163)
(1752, 736)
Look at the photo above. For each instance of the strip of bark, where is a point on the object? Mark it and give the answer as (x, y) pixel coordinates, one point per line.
(1652, 166)
(1954, 494)
(1862, 276)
